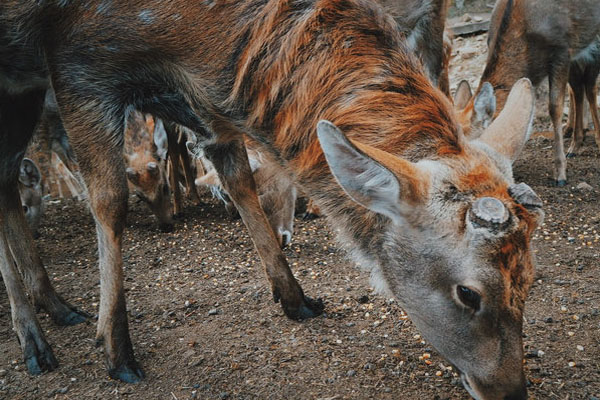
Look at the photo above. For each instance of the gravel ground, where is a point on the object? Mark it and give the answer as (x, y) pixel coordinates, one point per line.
(204, 326)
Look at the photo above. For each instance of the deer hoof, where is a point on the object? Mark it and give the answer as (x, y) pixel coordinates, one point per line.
(561, 182)
(571, 155)
(166, 227)
(308, 216)
(66, 315)
(39, 356)
(309, 308)
(129, 372)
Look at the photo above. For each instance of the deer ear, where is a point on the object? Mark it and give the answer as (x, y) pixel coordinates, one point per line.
(160, 139)
(377, 180)
(463, 95)
(29, 174)
(511, 129)
(484, 105)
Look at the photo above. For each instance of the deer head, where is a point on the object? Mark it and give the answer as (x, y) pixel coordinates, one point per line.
(450, 238)
(145, 155)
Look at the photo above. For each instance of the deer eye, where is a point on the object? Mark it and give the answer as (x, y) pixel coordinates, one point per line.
(468, 297)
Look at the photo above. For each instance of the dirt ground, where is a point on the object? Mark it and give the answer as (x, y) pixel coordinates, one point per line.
(204, 326)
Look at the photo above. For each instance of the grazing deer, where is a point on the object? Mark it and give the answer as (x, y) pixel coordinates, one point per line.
(30, 190)
(556, 39)
(275, 188)
(145, 152)
(437, 219)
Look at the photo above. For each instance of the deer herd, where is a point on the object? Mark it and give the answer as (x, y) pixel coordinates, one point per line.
(345, 102)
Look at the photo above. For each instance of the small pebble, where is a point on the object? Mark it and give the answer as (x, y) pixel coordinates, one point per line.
(580, 347)
(571, 364)
(213, 311)
(3, 372)
(351, 373)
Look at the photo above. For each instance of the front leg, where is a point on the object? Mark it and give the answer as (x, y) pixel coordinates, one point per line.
(231, 163)
(557, 79)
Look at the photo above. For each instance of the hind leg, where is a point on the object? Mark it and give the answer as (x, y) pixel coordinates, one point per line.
(18, 117)
(557, 79)
(231, 162)
(96, 132)
(576, 107)
(591, 91)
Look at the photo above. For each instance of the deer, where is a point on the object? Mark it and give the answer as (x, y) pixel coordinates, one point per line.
(145, 152)
(423, 22)
(556, 39)
(181, 168)
(31, 192)
(330, 88)
(275, 188)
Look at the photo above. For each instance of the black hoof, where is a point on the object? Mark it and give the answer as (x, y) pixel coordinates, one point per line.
(568, 133)
(308, 309)
(39, 357)
(308, 216)
(166, 228)
(70, 316)
(561, 183)
(571, 155)
(129, 373)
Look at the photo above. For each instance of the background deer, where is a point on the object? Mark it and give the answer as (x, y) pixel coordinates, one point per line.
(555, 39)
(423, 22)
(276, 191)
(30, 190)
(436, 218)
(145, 152)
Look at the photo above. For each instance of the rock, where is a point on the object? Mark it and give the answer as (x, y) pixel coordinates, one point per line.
(584, 186)
(468, 53)
(351, 373)
(465, 18)
(213, 311)
(369, 366)
(548, 320)
(223, 395)
(3, 372)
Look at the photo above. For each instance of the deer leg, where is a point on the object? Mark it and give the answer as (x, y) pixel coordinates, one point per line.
(18, 116)
(558, 82)
(570, 127)
(231, 163)
(173, 172)
(96, 132)
(576, 108)
(189, 174)
(591, 91)
(20, 239)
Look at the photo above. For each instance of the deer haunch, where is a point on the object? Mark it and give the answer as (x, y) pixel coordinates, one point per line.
(436, 218)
